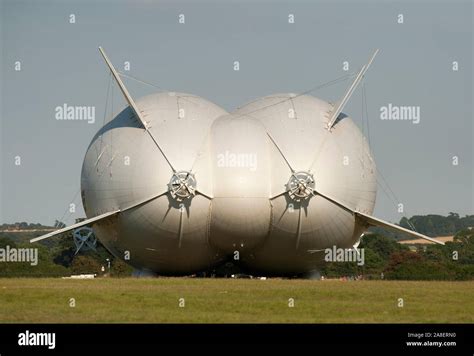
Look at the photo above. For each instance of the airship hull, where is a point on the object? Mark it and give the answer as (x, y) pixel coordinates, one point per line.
(176, 185)
(241, 163)
(122, 166)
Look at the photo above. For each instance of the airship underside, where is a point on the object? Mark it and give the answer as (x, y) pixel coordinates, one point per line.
(175, 185)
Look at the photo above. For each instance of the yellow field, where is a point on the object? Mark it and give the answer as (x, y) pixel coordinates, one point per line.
(425, 242)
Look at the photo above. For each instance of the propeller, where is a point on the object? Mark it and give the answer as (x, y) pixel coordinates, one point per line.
(182, 184)
(84, 239)
(301, 188)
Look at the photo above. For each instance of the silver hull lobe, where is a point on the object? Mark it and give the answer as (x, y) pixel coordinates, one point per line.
(238, 195)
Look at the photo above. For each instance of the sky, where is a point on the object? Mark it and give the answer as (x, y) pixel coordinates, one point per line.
(60, 64)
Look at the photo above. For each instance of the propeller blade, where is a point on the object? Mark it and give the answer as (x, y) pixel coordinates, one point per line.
(180, 234)
(144, 201)
(208, 196)
(298, 229)
(278, 195)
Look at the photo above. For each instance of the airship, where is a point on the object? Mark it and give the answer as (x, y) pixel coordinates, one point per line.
(176, 185)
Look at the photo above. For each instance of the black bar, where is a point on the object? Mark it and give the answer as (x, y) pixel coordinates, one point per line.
(73, 338)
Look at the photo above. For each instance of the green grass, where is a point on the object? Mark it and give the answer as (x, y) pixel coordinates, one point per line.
(228, 300)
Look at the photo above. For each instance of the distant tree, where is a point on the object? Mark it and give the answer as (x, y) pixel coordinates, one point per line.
(62, 249)
(399, 258)
(465, 236)
(373, 263)
(5, 241)
(438, 225)
(463, 245)
(454, 215)
(85, 265)
(408, 265)
(59, 224)
(381, 245)
(120, 269)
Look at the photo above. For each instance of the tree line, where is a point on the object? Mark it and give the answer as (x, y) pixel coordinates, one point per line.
(384, 256)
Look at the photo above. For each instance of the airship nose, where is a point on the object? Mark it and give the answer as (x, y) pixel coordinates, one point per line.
(241, 175)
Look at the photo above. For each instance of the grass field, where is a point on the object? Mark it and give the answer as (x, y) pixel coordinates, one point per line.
(233, 300)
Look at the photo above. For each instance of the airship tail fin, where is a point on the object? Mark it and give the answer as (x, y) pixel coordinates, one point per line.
(75, 226)
(334, 114)
(373, 221)
(124, 90)
(97, 218)
(132, 104)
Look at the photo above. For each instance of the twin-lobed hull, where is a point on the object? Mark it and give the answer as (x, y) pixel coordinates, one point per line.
(242, 163)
